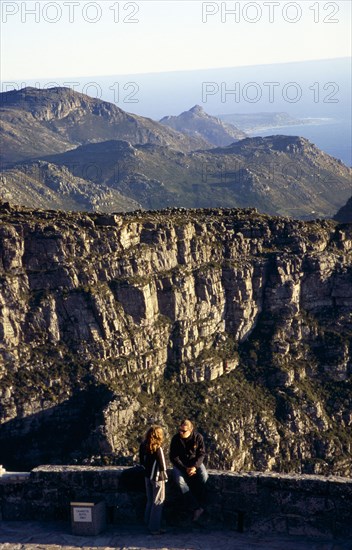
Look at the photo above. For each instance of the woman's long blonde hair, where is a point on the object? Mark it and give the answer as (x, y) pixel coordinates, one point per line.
(154, 438)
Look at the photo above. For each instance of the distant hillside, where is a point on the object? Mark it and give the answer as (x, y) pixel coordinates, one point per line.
(41, 122)
(344, 215)
(197, 123)
(46, 185)
(278, 175)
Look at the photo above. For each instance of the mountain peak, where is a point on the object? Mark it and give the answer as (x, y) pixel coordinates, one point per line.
(197, 110)
(197, 122)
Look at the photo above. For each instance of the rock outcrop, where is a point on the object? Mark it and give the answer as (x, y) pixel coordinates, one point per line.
(238, 320)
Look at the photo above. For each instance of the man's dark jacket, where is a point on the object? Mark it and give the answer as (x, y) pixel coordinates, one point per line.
(188, 452)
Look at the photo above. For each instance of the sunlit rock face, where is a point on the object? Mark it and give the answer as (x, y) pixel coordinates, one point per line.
(239, 320)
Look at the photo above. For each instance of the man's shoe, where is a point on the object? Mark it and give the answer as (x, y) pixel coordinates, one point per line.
(197, 514)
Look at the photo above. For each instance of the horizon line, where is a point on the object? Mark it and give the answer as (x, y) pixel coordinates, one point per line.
(179, 70)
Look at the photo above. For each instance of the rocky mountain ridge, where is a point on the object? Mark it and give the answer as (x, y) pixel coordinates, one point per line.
(41, 122)
(236, 319)
(278, 174)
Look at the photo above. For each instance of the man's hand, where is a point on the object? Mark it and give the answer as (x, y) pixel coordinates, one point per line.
(191, 471)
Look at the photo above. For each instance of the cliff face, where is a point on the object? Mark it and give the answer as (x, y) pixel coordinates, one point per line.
(236, 319)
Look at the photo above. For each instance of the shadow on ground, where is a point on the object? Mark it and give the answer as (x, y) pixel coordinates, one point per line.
(57, 536)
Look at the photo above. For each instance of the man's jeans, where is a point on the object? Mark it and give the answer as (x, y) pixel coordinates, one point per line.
(194, 484)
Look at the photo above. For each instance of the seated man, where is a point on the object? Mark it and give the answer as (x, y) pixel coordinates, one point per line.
(187, 453)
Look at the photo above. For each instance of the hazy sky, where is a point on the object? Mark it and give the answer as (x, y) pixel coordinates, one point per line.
(80, 38)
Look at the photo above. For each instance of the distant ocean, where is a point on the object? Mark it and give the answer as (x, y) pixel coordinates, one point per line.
(333, 137)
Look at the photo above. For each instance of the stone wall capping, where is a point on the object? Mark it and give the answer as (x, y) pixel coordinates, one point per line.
(220, 473)
(77, 468)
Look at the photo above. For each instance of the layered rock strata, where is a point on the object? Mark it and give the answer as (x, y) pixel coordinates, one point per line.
(239, 320)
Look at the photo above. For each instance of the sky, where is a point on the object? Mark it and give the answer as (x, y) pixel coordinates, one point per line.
(73, 38)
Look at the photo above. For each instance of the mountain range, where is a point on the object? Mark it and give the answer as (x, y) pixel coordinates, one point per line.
(38, 122)
(64, 150)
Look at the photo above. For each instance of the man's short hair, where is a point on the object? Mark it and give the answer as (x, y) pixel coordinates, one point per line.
(188, 423)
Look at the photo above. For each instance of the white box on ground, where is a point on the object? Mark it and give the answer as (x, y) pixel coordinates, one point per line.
(88, 518)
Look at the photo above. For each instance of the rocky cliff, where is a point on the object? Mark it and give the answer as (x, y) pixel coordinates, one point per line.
(239, 320)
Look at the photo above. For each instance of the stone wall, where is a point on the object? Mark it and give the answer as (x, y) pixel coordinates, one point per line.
(253, 502)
